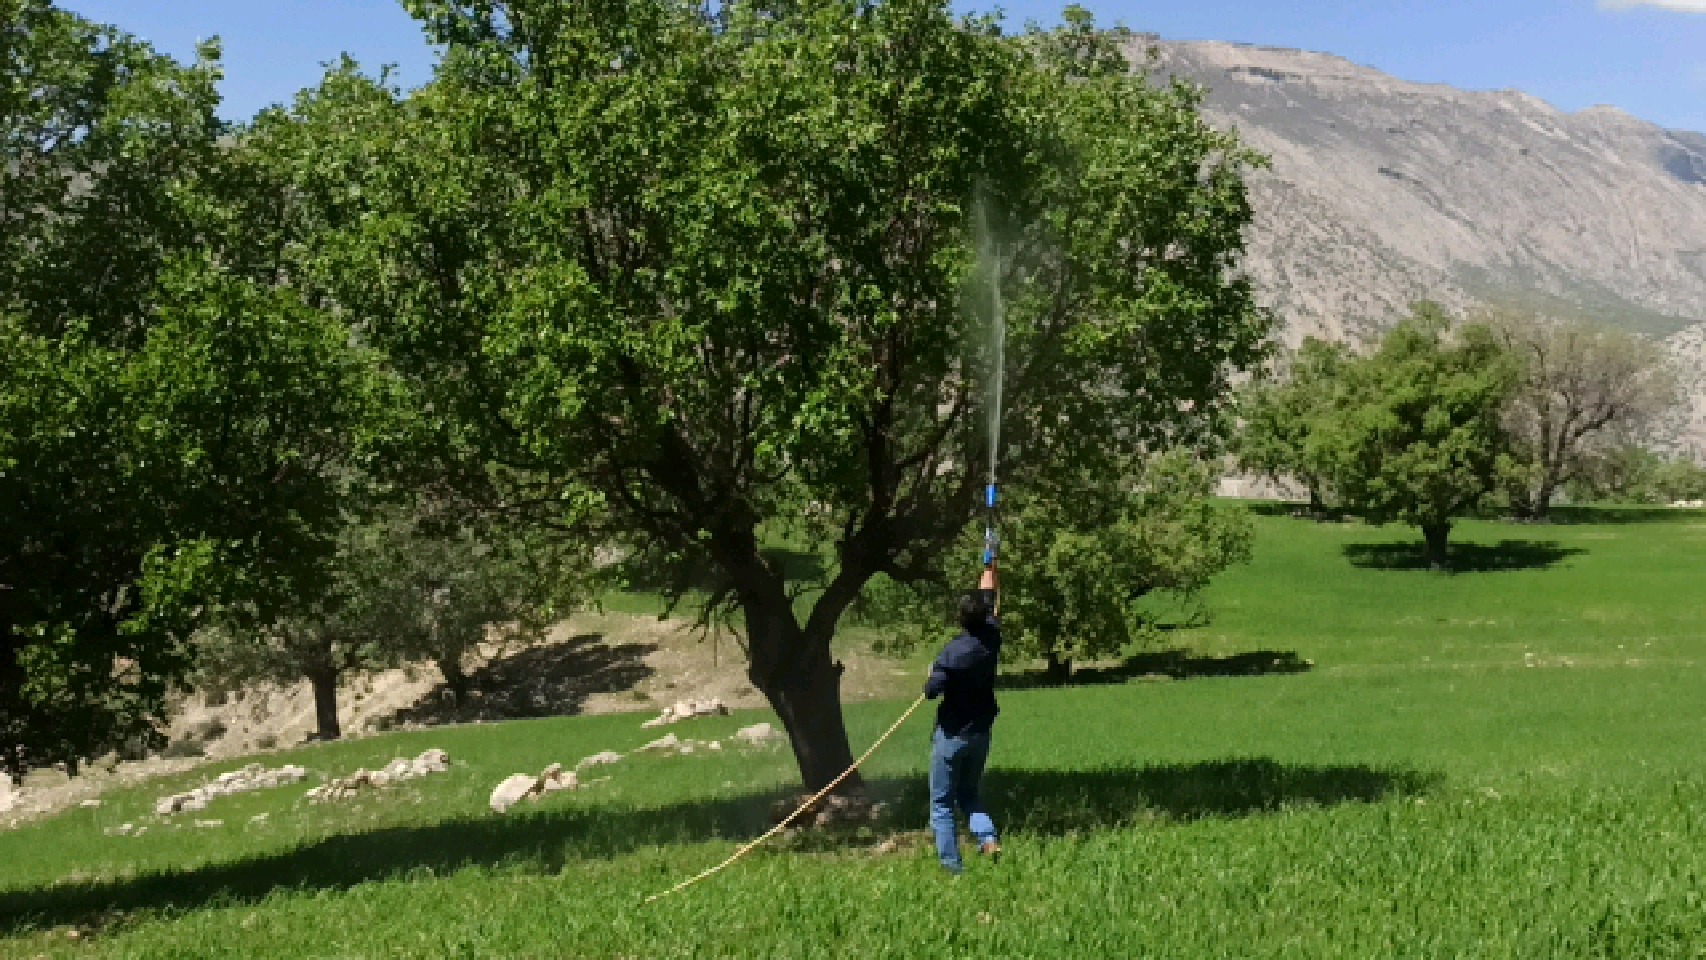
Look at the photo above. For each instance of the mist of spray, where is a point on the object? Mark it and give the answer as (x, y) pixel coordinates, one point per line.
(995, 350)
(995, 326)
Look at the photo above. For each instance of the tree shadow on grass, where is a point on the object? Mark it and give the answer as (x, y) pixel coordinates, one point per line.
(1046, 803)
(1462, 557)
(546, 680)
(1177, 664)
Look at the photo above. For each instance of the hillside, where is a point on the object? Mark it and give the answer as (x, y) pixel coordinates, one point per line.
(1384, 191)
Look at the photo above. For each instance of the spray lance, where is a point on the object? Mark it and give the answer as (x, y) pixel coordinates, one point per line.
(998, 362)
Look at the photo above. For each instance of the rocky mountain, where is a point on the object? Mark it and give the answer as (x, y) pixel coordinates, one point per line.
(1383, 191)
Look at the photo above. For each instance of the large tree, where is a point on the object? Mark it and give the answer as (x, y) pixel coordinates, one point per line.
(1578, 386)
(708, 271)
(166, 409)
(1417, 432)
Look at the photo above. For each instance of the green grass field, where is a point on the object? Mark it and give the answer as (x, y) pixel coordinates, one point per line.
(1502, 762)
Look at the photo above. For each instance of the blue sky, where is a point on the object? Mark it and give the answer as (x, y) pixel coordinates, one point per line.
(1645, 56)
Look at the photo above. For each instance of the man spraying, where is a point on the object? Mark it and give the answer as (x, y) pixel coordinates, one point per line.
(964, 677)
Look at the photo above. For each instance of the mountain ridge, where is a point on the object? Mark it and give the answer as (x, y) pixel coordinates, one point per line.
(1383, 191)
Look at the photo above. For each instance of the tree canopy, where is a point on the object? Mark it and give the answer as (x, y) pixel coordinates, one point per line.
(169, 414)
(1578, 388)
(710, 271)
(1417, 431)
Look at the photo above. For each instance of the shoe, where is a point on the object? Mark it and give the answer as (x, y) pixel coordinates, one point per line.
(992, 850)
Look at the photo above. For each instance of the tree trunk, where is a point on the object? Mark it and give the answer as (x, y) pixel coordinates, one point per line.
(1436, 535)
(1540, 511)
(802, 681)
(455, 678)
(325, 684)
(1057, 669)
(1317, 508)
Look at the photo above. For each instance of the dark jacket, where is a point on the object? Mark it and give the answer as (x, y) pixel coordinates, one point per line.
(964, 677)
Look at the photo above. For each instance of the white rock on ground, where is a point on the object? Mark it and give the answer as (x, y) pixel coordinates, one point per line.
(398, 770)
(687, 709)
(520, 786)
(599, 759)
(556, 778)
(758, 734)
(673, 745)
(512, 791)
(250, 778)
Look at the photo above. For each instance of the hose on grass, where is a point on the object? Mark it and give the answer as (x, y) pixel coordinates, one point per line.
(743, 851)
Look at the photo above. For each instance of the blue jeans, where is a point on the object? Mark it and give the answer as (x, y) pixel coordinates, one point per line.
(956, 766)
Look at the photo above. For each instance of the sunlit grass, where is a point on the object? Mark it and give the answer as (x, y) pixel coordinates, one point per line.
(1504, 762)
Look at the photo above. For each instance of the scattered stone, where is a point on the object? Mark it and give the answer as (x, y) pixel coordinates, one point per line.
(687, 709)
(674, 745)
(556, 778)
(599, 759)
(521, 786)
(191, 802)
(512, 791)
(758, 734)
(432, 761)
(398, 770)
(209, 824)
(90, 804)
(258, 818)
(250, 778)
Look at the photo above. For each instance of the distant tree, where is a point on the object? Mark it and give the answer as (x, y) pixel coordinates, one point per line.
(1578, 387)
(1079, 568)
(1281, 418)
(168, 412)
(360, 619)
(1630, 473)
(399, 590)
(1076, 570)
(474, 584)
(1418, 431)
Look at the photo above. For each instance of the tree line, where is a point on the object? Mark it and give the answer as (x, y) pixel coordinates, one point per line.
(377, 372)
(1444, 415)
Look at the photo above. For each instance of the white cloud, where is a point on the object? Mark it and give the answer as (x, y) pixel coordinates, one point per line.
(1677, 6)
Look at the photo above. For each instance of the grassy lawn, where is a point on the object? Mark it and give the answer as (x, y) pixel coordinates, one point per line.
(1501, 762)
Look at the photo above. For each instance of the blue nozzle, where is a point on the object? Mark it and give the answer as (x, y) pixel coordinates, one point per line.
(989, 496)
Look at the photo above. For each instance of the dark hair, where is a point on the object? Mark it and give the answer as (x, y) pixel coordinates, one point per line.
(974, 611)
